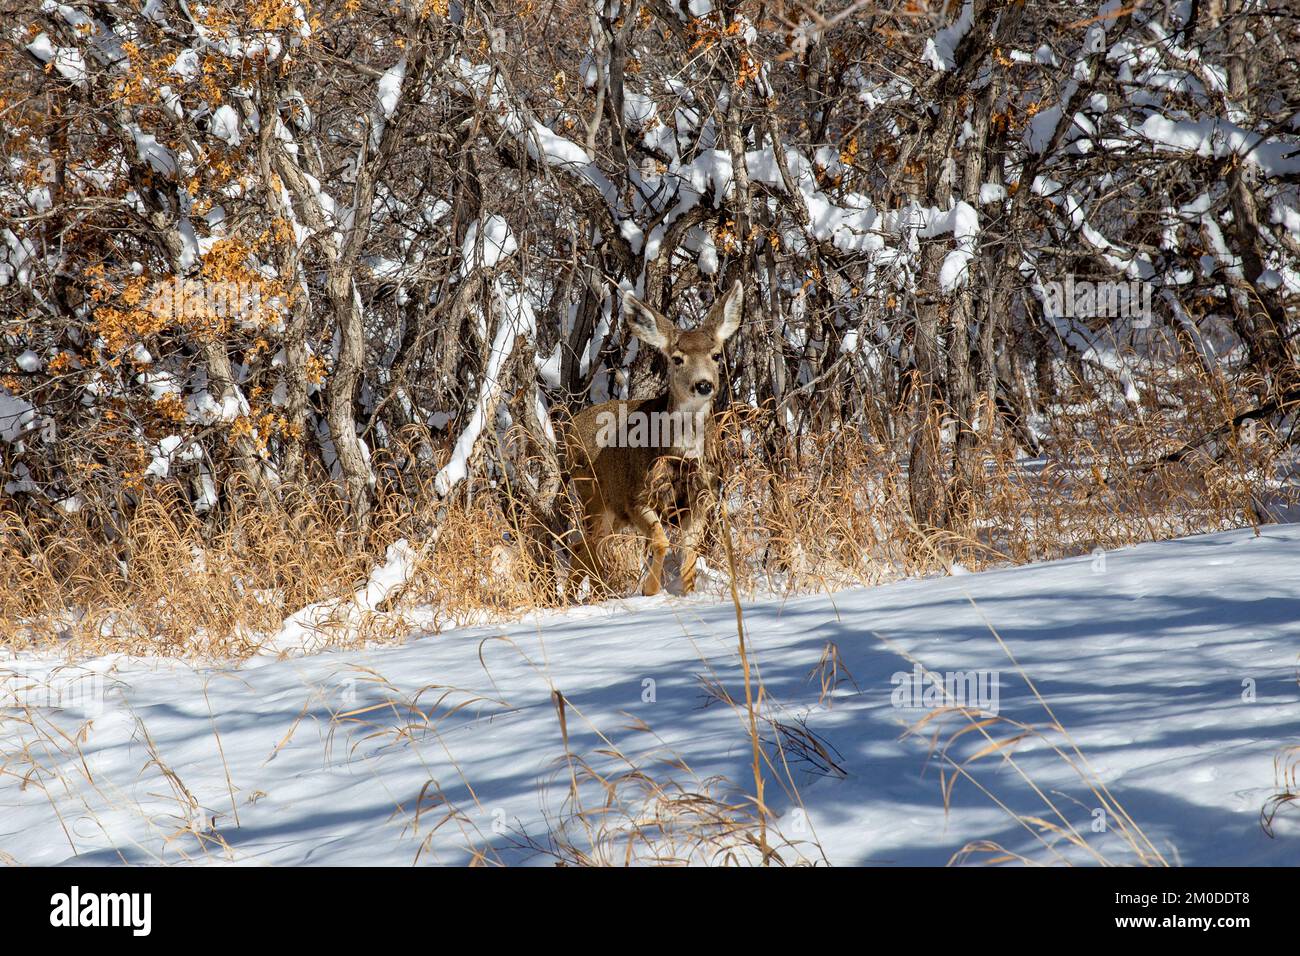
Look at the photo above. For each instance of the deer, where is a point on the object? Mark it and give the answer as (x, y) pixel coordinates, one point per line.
(640, 462)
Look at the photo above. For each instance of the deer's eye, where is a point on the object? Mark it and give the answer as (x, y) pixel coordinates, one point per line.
(717, 356)
(677, 360)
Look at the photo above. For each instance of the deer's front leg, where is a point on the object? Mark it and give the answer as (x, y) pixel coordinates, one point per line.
(692, 532)
(647, 522)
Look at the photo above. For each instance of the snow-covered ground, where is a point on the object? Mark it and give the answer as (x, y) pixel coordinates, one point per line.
(1173, 667)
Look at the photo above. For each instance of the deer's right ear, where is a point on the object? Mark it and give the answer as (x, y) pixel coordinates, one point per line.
(646, 324)
(724, 317)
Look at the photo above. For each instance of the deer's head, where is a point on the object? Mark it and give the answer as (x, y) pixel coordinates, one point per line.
(695, 357)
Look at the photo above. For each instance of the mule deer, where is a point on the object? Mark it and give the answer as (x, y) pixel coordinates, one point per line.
(640, 462)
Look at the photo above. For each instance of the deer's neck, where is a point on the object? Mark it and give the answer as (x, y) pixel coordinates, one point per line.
(690, 424)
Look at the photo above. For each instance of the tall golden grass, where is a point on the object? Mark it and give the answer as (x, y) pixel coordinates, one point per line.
(811, 513)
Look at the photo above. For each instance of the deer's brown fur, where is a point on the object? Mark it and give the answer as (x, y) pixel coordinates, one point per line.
(622, 483)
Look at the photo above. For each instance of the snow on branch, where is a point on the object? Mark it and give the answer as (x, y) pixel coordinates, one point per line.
(518, 320)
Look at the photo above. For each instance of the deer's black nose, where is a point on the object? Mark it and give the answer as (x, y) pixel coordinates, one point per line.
(703, 388)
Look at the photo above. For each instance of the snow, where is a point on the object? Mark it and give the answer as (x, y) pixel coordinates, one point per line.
(1218, 138)
(1171, 665)
(225, 125)
(548, 369)
(543, 143)
(963, 222)
(186, 65)
(170, 450)
(160, 384)
(69, 61)
(207, 497)
(1135, 265)
(638, 109)
(498, 243)
(308, 630)
(23, 485)
(17, 417)
(151, 151)
(1285, 216)
(1099, 346)
(389, 92)
(202, 407)
(518, 319)
(708, 257)
(940, 52)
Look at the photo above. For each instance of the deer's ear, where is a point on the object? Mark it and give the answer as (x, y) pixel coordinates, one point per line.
(646, 324)
(724, 317)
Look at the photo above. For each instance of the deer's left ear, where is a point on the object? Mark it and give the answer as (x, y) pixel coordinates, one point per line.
(649, 326)
(724, 317)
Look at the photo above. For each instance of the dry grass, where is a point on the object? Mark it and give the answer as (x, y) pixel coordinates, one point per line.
(817, 513)
(1286, 767)
(158, 581)
(654, 809)
(835, 508)
(602, 807)
(48, 758)
(998, 738)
